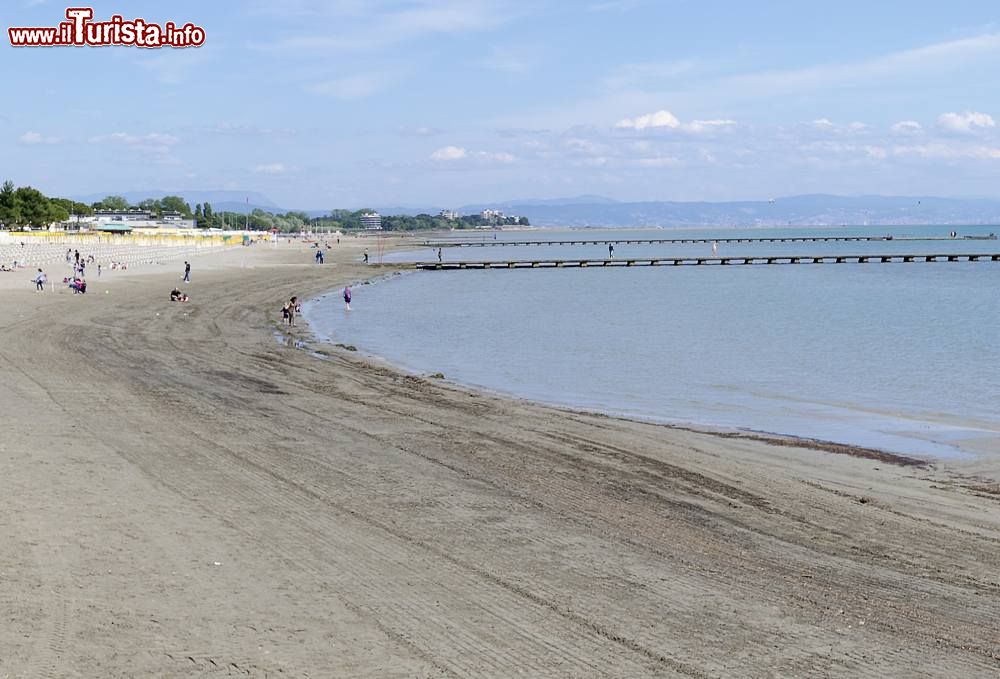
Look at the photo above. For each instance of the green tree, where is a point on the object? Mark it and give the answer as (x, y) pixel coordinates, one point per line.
(38, 211)
(10, 211)
(152, 206)
(112, 203)
(175, 204)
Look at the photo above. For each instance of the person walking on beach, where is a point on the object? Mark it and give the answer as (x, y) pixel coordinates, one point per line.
(187, 272)
(366, 256)
(347, 298)
(293, 308)
(439, 255)
(40, 280)
(715, 248)
(611, 251)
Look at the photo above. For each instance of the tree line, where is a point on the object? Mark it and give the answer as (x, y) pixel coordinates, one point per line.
(29, 207)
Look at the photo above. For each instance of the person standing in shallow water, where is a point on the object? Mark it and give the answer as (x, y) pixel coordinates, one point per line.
(439, 254)
(611, 251)
(347, 298)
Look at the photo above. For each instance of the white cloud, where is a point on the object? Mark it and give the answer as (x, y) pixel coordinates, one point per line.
(153, 142)
(661, 118)
(447, 153)
(666, 120)
(943, 151)
(36, 138)
(907, 128)
(500, 157)
(454, 153)
(421, 131)
(965, 123)
(584, 146)
(917, 62)
(827, 125)
(876, 152)
(699, 126)
(271, 168)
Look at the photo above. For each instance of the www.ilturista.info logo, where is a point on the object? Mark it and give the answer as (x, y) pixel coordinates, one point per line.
(81, 31)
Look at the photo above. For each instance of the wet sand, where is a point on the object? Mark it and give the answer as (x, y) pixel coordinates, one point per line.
(183, 496)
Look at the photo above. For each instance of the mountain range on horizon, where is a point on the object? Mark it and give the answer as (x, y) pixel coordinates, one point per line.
(598, 211)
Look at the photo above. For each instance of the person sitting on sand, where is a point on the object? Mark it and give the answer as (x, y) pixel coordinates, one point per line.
(175, 295)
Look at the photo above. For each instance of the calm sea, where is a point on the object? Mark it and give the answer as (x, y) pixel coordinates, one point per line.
(903, 357)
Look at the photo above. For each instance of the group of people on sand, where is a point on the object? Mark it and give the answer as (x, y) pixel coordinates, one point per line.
(178, 296)
(288, 311)
(293, 307)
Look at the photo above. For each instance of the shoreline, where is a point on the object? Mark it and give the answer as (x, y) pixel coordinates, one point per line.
(779, 438)
(764, 436)
(184, 494)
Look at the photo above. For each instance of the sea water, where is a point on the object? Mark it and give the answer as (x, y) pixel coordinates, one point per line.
(902, 357)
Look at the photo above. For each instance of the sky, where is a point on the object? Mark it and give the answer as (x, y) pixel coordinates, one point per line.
(352, 103)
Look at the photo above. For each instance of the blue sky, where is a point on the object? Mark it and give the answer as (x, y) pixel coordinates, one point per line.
(346, 103)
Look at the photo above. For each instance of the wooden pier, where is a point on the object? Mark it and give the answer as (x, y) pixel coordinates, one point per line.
(706, 261)
(680, 241)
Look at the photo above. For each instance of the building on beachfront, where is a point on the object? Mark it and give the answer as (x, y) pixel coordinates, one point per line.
(450, 215)
(130, 215)
(371, 221)
(491, 214)
(133, 218)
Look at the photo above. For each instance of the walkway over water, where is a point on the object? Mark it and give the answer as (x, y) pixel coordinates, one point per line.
(711, 261)
(658, 241)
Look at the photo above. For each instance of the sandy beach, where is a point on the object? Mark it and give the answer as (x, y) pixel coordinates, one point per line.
(183, 495)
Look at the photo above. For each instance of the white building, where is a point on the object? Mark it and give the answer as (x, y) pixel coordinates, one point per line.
(132, 214)
(371, 221)
(132, 218)
(491, 214)
(450, 215)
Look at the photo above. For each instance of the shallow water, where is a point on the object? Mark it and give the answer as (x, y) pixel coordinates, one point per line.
(902, 357)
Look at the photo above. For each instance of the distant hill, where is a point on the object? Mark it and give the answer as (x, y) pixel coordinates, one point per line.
(808, 210)
(590, 210)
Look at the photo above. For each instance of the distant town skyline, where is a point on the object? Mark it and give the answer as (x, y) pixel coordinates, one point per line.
(452, 102)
